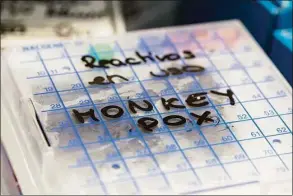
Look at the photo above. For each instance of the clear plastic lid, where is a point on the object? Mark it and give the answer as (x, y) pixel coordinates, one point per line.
(164, 111)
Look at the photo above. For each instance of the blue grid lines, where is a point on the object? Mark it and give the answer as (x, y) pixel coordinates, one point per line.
(255, 122)
(145, 143)
(115, 146)
(192, 121)
(219, 113)
(185, 140)
(173, 136)
(76, 131)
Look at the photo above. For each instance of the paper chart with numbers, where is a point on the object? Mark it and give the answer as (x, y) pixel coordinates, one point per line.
(149, 112)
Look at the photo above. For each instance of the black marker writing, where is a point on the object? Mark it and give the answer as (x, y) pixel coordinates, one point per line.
(177, 71)
(132, 61)
(174, 71)
(163, 75)
(169, 103)
(116, 62)
(169, 120)
(132, 105)
(90, 60)
(196, 100)
(101, 79)
(110, 77)
(107, 109)
(228, 94)
(203, 118)
(79, 116)
(188, 54)
(145, 58)
(141, 58)
(193, 68)
(170, 57)
(147, 123)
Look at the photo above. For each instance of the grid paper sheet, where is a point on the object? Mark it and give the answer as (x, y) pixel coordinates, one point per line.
(237, 144)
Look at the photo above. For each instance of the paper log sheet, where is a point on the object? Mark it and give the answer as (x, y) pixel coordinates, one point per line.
(171, 110)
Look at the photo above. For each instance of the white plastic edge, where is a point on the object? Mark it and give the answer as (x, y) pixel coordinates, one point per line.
(16, 155)
(8, 181)
(19, 159)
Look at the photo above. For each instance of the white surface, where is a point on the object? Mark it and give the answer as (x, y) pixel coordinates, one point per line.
(71, 180)
(8, 182)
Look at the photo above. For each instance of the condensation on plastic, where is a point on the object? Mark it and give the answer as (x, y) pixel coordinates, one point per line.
(53, 161)
(53, 164)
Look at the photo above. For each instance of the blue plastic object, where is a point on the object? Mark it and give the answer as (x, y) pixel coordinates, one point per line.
(263, 23)
(285, 15)
(282, 52)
